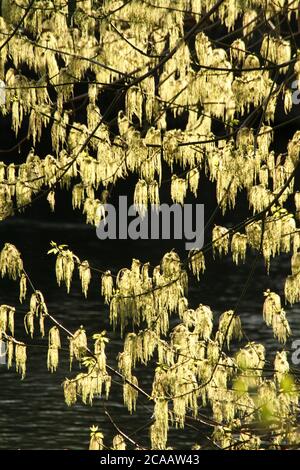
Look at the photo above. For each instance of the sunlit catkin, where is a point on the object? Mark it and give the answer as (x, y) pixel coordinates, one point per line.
(29, 323)
(54, 345)
(281, 365)
(3, 318)
(197, 262)
(153, 194)
(297, 204)
(78, 345)
(159, 430)
(23, 287)
(10, 262)
(220, 240)
(10, 352)
(107, 286)
(64, 268)
(85, 276)
(96, 439)
(130, 394)
(178, 189)
(193, 180)
(77, 195)
(70, 392)
(11, 319)
(272, 306)
(51, 200)
(292, 288)
(21, 358)
(141, 197)
(119, 442)
(230, 326)
(239, 247)
(7, 314)
(281, 327)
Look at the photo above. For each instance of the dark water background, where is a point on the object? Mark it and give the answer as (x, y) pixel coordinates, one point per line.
(33, 414)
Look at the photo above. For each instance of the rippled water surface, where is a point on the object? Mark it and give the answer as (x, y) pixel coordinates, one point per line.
(33, 414)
